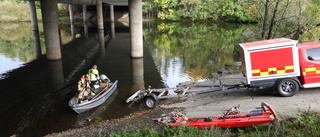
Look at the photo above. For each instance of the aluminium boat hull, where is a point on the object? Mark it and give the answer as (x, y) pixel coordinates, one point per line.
(97, 101)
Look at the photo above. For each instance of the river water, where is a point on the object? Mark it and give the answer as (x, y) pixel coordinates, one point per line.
(35, 92)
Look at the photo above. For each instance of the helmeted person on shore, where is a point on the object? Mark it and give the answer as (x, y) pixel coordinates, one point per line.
(94, 76)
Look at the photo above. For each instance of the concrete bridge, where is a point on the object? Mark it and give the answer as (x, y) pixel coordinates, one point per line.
(93, 2)
(50, 20)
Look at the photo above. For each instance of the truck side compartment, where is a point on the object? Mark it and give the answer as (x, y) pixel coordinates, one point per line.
(272, 63)
(270, 59)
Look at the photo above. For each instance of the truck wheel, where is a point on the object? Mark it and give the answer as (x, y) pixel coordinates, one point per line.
(287, 87)
(150, 102)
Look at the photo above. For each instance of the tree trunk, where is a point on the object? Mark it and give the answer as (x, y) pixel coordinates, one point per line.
(273, 19)
(265, 19)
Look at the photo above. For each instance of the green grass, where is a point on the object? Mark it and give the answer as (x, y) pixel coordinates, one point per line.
(306, 124)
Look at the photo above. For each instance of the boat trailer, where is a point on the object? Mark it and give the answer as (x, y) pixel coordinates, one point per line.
(185, 89)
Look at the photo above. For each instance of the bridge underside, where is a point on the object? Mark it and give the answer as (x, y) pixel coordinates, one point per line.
(92, 2)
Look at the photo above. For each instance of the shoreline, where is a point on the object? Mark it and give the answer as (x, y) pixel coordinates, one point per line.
(206, 104)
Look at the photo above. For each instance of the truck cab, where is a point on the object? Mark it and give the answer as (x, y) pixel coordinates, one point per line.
(309, 56)
(281, 63)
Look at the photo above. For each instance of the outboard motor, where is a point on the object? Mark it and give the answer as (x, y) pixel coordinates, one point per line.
(104, 78)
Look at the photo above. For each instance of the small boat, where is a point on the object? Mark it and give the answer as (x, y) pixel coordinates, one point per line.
(258, 116)
(89, 116)
(102, 93)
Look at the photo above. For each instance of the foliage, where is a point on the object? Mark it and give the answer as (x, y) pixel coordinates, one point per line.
(167, 9)
(235, 10)
(195, 43)
(306, 124)
(64, 11)
(312, 34)
(16, 40)
(198, 9)
(17, 10)
(229, 10)
(272, 15)
(9, 12)
(275, 15)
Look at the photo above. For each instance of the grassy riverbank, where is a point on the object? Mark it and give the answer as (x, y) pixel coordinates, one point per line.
(141, 125)
(305, 124)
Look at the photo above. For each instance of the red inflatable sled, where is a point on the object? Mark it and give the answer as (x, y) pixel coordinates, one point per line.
(231, 119)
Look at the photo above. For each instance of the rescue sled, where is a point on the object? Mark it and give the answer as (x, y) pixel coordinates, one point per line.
(231, 119)
(102, 93)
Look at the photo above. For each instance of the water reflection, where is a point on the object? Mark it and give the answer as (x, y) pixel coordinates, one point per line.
(37, 45)
(56, 74)
(137, 75)
(16, 46)
(191, 51)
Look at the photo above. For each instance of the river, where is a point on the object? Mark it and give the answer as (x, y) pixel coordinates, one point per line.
(35, 92)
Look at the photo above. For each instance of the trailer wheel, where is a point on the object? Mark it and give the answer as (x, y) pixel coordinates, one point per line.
(150, 102)
(287, 87)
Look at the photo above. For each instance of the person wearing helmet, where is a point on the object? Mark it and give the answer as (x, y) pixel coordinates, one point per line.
(94, 76)
(83, 85)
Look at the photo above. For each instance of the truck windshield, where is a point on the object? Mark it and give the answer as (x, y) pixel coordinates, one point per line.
(313, 54)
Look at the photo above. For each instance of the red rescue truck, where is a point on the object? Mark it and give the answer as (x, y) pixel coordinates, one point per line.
(281, 63)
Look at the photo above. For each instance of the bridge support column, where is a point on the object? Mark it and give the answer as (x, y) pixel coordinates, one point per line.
(84, 13)
(99, 14)
(71, 13)
(102, 42)
(113, 30)
(85, 20)
(135, 21)
(49, 9)
(35, 28)
(111, 13)
(137, 74)
(71, 21)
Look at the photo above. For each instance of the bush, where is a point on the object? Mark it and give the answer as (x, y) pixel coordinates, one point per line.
(11, 10)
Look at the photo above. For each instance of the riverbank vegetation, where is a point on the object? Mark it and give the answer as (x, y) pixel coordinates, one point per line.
(305, 124)
(14, 10)
(19, 11)
(271, 15)
(300, 16)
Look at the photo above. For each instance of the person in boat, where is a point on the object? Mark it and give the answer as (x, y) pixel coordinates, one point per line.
(85, 92)
(83, 87)
(94, 76)
(88, 86)
(81, 83)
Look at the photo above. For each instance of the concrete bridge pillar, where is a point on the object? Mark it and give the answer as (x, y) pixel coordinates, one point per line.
(111, 13)
(85, 20)
(99, 14)
(35, 28)
(71, 13)
(135, 21)
(137, 74)
(84, 13)
(49, 9)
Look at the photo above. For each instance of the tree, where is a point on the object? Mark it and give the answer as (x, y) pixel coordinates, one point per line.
(275, 15)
